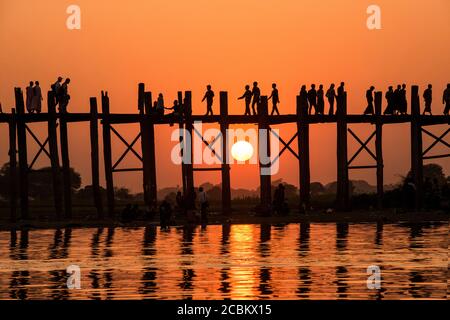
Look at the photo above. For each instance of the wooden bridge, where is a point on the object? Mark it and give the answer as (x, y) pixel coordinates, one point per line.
(18, 129)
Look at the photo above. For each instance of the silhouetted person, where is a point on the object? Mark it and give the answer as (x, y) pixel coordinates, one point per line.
(209, 97)
(203, 205)
(256, 93)
(160, 105)
(279, 199)
(320, 100)
(64, 96)
(180, 202)
(36, 101)
(304, 99)
(369, 98)
(126, 213)
(55, 89)
(176, 111)
(446, 100)
(165, 214)
(331, 96)
(29, 97)
(403, 100)
(428, 97)
(340, 96)
(390, 101)
(248, 99)
(275, 99)
(312, 99)
(397, 100)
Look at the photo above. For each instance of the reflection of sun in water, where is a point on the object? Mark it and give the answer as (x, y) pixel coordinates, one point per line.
(242, 150)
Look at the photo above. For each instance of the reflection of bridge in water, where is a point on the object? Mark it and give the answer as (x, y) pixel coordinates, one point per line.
(18, 121)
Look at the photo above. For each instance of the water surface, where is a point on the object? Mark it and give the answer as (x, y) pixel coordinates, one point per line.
(294, 261)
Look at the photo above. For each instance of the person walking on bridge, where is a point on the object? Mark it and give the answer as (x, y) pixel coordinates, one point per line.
(256, 93)
(248, 99)
(312, 99)
(428, 97)
(275, 99)
(209, 97)
(64, 96)
(340, 97)
(446, 100)
(369, 98)
(36, 101)
(29, 97)
(320, 100)
(331, 96)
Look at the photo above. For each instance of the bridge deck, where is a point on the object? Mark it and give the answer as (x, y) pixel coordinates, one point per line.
(235, 119)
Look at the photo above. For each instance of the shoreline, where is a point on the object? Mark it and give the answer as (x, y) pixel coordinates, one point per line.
(239, 218)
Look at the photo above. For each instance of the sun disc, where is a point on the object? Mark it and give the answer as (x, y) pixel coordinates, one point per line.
(242, 151)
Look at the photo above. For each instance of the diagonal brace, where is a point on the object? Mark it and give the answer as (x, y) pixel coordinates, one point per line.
(363, 146)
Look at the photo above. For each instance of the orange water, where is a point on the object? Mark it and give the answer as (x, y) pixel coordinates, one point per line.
(295, 261)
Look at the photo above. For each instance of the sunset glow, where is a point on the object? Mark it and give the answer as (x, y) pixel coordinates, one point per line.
(242, 150)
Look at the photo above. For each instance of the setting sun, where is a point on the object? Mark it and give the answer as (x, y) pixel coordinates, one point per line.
(242, 151)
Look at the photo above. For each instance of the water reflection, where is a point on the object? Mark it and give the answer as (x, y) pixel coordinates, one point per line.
(19, 279)
(304, 272)
(148, 281)
(295, 261)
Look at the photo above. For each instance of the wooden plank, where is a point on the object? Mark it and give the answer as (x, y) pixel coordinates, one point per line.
(107, 155)
(379, 148)
(95, 165)
(225, 167)
(342, 194)
(416, 147)
(54, 154)
(65, 162)
(23, 158)
(13, 166)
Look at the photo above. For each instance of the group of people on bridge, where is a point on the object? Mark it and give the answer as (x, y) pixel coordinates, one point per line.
(34, 98)
(312, 100)
(397, 103)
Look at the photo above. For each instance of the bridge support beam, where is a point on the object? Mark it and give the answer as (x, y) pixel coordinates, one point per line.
(95, 167)
(107, 155)
(416, 147)
(342, 192)
(303, 152)
(225, 168)
(13, 166)
(379, 148)
(54, 155)
(264, 145)
(23, 157)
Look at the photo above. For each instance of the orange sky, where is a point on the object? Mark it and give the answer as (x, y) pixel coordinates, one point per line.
(183, 45)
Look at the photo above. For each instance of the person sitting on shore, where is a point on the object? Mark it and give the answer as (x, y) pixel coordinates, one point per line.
(165, 214)
(126, 213)
(279, 201)
(203, 205)
(180, 203)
